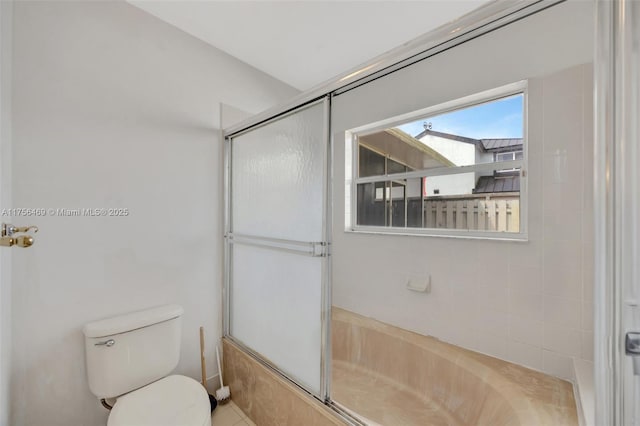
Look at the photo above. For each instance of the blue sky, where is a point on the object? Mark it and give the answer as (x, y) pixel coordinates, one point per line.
(497, 119)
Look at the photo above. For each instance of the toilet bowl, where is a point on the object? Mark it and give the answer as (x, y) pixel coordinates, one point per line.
(171, 401)
(129, 359)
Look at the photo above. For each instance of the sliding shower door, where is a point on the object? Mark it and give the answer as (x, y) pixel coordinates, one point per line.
(277, 243)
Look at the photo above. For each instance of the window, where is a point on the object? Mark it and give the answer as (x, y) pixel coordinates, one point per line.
(510, 155)
(454, 169)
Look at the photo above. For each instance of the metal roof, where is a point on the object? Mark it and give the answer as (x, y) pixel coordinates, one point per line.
(501, 144)
(458, 138)
(491, 145)
(491, 184)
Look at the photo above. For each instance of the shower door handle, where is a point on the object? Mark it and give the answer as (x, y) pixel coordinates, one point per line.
(632, 348)
(632, 344)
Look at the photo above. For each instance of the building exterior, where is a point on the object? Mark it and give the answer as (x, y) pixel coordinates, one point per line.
(469, 200)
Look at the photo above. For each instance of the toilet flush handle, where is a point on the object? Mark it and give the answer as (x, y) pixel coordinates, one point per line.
(107, 343)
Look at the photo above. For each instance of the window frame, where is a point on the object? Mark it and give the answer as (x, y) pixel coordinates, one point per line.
(513, 155)
(352, 163)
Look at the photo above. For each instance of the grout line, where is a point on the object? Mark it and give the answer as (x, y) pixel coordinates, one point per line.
(239, 411)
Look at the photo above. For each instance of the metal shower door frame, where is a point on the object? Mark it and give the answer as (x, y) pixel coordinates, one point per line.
(493, 16)
(616, 209)
(312, 248)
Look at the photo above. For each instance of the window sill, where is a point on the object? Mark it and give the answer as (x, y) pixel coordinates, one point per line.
(449, 233)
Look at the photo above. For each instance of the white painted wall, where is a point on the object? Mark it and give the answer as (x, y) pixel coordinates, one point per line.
(114, 108)
(531, 302)
(461, 183)
(6, 14)
(291, 40)
(460, 154)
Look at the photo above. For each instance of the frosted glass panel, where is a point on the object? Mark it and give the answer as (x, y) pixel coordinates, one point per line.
(276, 309)
(277, 178)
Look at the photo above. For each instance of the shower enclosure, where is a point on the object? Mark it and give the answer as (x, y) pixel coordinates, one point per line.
(289, 171)
(277, 233)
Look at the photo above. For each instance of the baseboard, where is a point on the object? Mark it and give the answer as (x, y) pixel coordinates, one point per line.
(213, 383)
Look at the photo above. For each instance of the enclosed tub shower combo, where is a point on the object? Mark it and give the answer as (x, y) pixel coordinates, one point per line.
(395, 248)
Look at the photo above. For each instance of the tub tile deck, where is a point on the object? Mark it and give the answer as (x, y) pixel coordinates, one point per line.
(374, 397)
(268, 399)
(230, 415)
(395, 377)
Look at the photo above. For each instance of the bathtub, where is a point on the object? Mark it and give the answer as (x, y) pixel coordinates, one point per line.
(393, 377)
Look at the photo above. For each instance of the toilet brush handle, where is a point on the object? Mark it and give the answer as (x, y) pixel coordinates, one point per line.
(219, 368)
(203, 366)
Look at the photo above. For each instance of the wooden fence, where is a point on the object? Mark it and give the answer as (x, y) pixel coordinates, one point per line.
(479, 214)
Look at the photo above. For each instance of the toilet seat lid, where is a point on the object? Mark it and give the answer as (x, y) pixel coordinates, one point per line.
(171, 401)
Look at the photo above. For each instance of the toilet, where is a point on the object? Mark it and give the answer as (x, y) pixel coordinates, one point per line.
(129, 359)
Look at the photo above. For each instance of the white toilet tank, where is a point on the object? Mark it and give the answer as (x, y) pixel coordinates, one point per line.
(127, 352)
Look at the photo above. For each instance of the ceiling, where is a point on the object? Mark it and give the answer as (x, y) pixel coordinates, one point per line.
(306, 42)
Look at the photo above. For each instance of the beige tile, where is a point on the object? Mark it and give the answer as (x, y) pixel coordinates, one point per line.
(587, 273)
(587, 346)
(525, 279)
(562, 167)
(525, 330)
(493, 345)
(587, 214)
(587, 316)
(562, 110)
(490, 276)
(437, 383)
(238, 410)
(556, 227)
(560, 198)
(558, 364)
(267, 398)
(225, 415)
(492, 298)
(524, 354)
(562, 253)
(234, 406)
(526, 305)
(563, 312)
(562, 340)
(535, 113)
(492, 322)
(563, 281)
